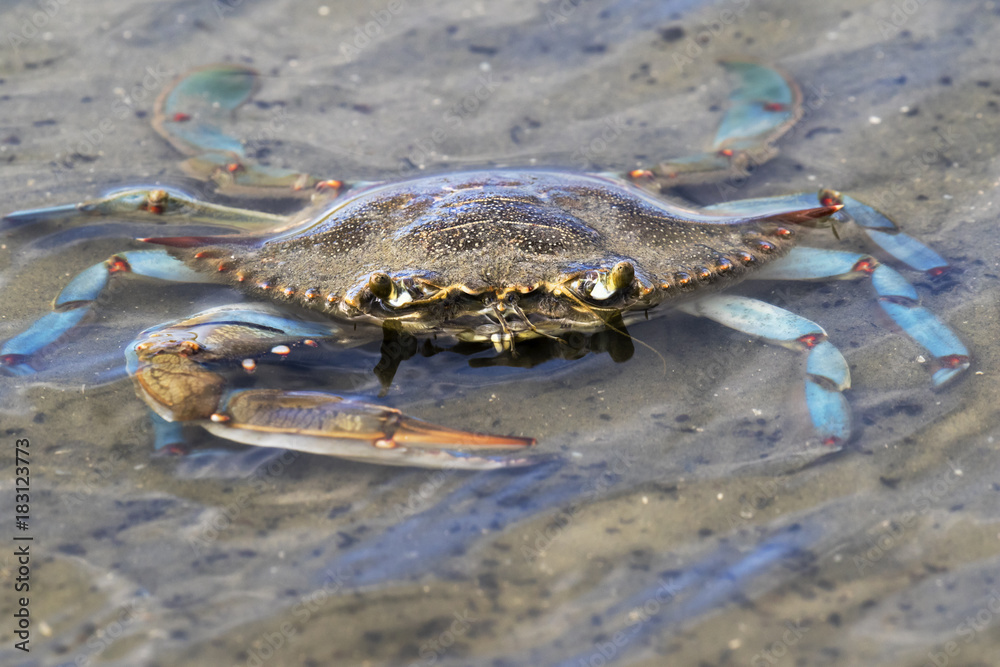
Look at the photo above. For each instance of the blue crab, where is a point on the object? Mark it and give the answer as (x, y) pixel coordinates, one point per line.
(494, 257)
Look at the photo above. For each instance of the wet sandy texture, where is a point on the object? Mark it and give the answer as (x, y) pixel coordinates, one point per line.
(691, 523)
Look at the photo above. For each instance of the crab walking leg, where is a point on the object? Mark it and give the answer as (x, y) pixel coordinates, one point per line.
(237, 175)
(764, 105)
(77, 298)
(188, 114)
(827, 374)
(895, 295)
(176, 367)
(884, 233)
(166, 433)
(764, 205)
(149, 204)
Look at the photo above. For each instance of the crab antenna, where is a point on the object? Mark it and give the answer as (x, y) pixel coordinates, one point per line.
(593, 311)
(524, 318)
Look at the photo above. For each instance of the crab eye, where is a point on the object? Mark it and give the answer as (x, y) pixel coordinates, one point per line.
(390, 291)
(380, 285)
(604, 284)
(621, 276)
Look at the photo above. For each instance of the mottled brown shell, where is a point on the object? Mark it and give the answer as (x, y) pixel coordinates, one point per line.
(462, 242)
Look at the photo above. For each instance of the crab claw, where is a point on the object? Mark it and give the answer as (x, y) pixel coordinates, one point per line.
(176, 367)
(884, 233)
(764, 106)
(187, 110)
(189, 114)
(323, 423)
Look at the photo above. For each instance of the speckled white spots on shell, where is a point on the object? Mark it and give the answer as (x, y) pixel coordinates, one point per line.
(469, 237)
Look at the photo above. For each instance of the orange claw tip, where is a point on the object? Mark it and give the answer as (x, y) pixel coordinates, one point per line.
(821, 212)
(330, 184)
(12, 359)
(807, 216)
(118, 264)
(416, 433)
(810, 340)
(953, 361)
(864, 265)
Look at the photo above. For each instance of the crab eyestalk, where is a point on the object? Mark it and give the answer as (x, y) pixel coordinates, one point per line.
(621, 276)
(602, 284)
(388, 291)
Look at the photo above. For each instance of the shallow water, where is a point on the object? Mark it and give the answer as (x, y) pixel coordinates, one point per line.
(690, 520)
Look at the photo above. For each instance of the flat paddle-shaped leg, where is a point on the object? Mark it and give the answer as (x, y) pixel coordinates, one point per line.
(77, 299)
(827, 374)
(764, 105)
(950, 358)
